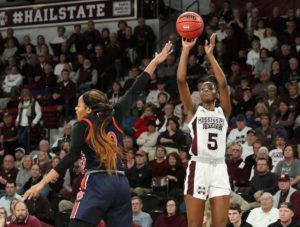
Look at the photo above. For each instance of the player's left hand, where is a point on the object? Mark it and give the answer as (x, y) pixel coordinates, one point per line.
(34, 191)
(209, 47)
(166, 51)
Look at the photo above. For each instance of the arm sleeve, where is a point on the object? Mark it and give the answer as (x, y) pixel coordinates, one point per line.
(77, 145)
(130, 97)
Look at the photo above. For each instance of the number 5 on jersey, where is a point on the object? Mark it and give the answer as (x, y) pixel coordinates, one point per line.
(212, 141)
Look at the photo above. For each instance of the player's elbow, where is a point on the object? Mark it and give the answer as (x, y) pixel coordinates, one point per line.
(181, 81)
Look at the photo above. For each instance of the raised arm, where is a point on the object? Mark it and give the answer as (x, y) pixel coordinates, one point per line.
(219, 74)
(183, 88)
(159, 58)
(131, 96)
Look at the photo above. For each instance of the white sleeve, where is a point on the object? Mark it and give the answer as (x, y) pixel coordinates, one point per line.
(38, 112)
(231, 137)
(251, 217)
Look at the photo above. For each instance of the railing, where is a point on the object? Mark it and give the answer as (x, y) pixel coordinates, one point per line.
(172, 10)
(192, 4)
(172, 19)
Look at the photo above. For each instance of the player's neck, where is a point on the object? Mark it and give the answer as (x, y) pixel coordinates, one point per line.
(209, 106)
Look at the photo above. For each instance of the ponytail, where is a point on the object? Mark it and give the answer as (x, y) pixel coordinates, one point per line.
(106, 149)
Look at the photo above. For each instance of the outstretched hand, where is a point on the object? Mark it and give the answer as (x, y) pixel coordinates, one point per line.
(34, 191)
(188, 44)
(166, 51)
(209, 47)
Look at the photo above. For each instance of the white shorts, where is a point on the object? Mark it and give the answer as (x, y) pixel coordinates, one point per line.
(205, 180)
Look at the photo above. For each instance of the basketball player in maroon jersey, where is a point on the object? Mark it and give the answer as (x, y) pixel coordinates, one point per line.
(207, 176)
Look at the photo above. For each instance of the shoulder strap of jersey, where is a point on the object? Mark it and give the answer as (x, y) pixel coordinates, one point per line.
(90, 130)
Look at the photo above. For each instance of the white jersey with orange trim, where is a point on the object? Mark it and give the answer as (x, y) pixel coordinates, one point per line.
(208, 130)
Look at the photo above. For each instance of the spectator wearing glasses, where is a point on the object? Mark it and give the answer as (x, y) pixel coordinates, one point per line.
(171, 215)
(140, 218)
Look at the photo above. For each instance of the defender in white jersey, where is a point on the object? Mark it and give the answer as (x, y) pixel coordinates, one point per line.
(207, 175)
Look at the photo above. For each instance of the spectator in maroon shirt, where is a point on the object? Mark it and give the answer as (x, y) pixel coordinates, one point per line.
(22, 217)
(159, 164)
(171, 215)
(238, 171)
(295, 199)
(8, 134)
(8, 171)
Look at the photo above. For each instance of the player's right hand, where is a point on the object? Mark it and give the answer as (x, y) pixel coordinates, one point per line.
(188, 44)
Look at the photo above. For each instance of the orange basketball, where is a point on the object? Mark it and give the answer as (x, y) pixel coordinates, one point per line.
(189, 25)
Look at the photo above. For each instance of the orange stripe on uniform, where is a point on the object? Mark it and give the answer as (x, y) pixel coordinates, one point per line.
(74, 210)
(83, 182)
(77, 203)
(116, 125)
(90, 130)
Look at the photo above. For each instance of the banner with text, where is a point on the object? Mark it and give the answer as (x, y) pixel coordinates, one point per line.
(67, 13)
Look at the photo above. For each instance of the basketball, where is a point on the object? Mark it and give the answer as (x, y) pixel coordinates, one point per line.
(189, 25)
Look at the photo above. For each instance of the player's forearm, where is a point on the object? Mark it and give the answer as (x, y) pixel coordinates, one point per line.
(182, 71)
(151, 67)
(50, 176)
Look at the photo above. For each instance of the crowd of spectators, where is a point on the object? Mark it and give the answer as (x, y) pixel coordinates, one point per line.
(260, 57)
